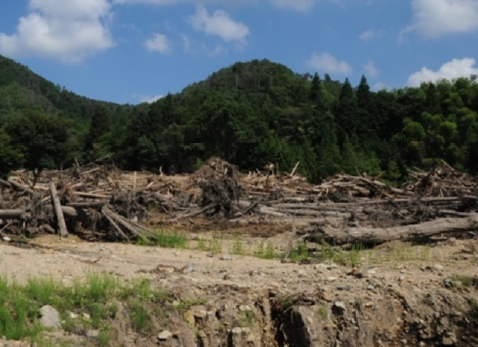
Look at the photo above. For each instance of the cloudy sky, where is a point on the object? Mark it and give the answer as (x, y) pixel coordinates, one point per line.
(129, 51)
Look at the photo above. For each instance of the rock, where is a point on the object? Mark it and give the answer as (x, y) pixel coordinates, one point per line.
(226, 257)
(164, 335)
(331, 279)
(449, 339)
(301, 273)
(189, 317)
(245, 308)
(228, 277)
(242, 337)
(345, 288)
(50, 317)
(326, 296)
(93, 333)
(338, 308)
(438, 267)
(448, 282)
(199, 312)
(72, 315)
(187, 269)
(320, 267)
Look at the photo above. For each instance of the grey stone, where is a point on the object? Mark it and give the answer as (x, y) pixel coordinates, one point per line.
(226, 257)
(164, 335)
(188, 268)
(93, 333)
(50, 317)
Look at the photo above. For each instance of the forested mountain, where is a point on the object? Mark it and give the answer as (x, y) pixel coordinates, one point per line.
(250, 114)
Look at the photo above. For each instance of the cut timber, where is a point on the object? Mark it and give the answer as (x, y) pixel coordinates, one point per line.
(17, 186)
(12, 214)
(92, 195)
(20, 213)
(58, 211)
(414, 232)
(113, 223)
(119, 220)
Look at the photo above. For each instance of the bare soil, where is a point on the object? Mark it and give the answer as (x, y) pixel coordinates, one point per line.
(397, 294)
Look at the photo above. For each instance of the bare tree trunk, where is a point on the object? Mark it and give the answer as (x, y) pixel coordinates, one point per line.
(58, 211)
(414, 232)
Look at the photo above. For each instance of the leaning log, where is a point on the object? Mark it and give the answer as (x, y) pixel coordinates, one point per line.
(58, 211)
(376, 236)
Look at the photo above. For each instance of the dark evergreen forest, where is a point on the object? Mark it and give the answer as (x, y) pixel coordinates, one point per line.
(249, 114)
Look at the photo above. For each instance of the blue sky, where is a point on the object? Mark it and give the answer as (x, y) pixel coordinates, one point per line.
(129, 51)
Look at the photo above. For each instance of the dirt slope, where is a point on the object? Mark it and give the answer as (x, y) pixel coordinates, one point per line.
(399, 295)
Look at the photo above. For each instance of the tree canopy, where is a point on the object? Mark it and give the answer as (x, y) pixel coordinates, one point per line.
(251, 114)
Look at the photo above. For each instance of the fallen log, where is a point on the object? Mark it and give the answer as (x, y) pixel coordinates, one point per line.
(376, 236)
(20, 213)
(12, 214)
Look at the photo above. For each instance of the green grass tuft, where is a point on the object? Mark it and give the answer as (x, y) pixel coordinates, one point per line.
(85, 304)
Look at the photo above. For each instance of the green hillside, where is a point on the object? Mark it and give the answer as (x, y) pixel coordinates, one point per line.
(251, 114)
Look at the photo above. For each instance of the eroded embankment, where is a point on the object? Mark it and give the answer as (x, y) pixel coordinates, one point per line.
(404, 296)
(381, 315)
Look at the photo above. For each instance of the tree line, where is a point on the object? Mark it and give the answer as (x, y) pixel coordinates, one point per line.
(250, 114)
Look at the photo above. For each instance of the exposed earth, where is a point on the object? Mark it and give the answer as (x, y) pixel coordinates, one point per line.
(394, 295)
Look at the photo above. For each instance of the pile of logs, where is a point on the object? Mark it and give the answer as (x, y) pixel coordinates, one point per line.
(101, 201)
(76, 200)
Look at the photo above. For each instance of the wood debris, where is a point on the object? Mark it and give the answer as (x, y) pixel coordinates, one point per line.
(104, 202)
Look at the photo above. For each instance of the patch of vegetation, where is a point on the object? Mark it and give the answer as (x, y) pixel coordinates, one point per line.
(323, 311)
(354, 255)
(299, 253)
(166, 238)
(187, 304)
(139, 315)
(237, 247)
(215, 245)
(90, 303)
(464, 281)
(473, 308)
(247, 318)
(265, 251)
(201, 244)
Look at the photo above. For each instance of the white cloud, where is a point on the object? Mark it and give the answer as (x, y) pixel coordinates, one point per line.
(71, 9)
(65, 30)
(219, 24)
(380, 86)
(453, 69)
(150, 99)
(369, 35)
(436, 18)
(327, 63)
(299, 5)
(159, 43)
(370, 69)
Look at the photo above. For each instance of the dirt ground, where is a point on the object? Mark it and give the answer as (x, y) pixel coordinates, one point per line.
(396, 295)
